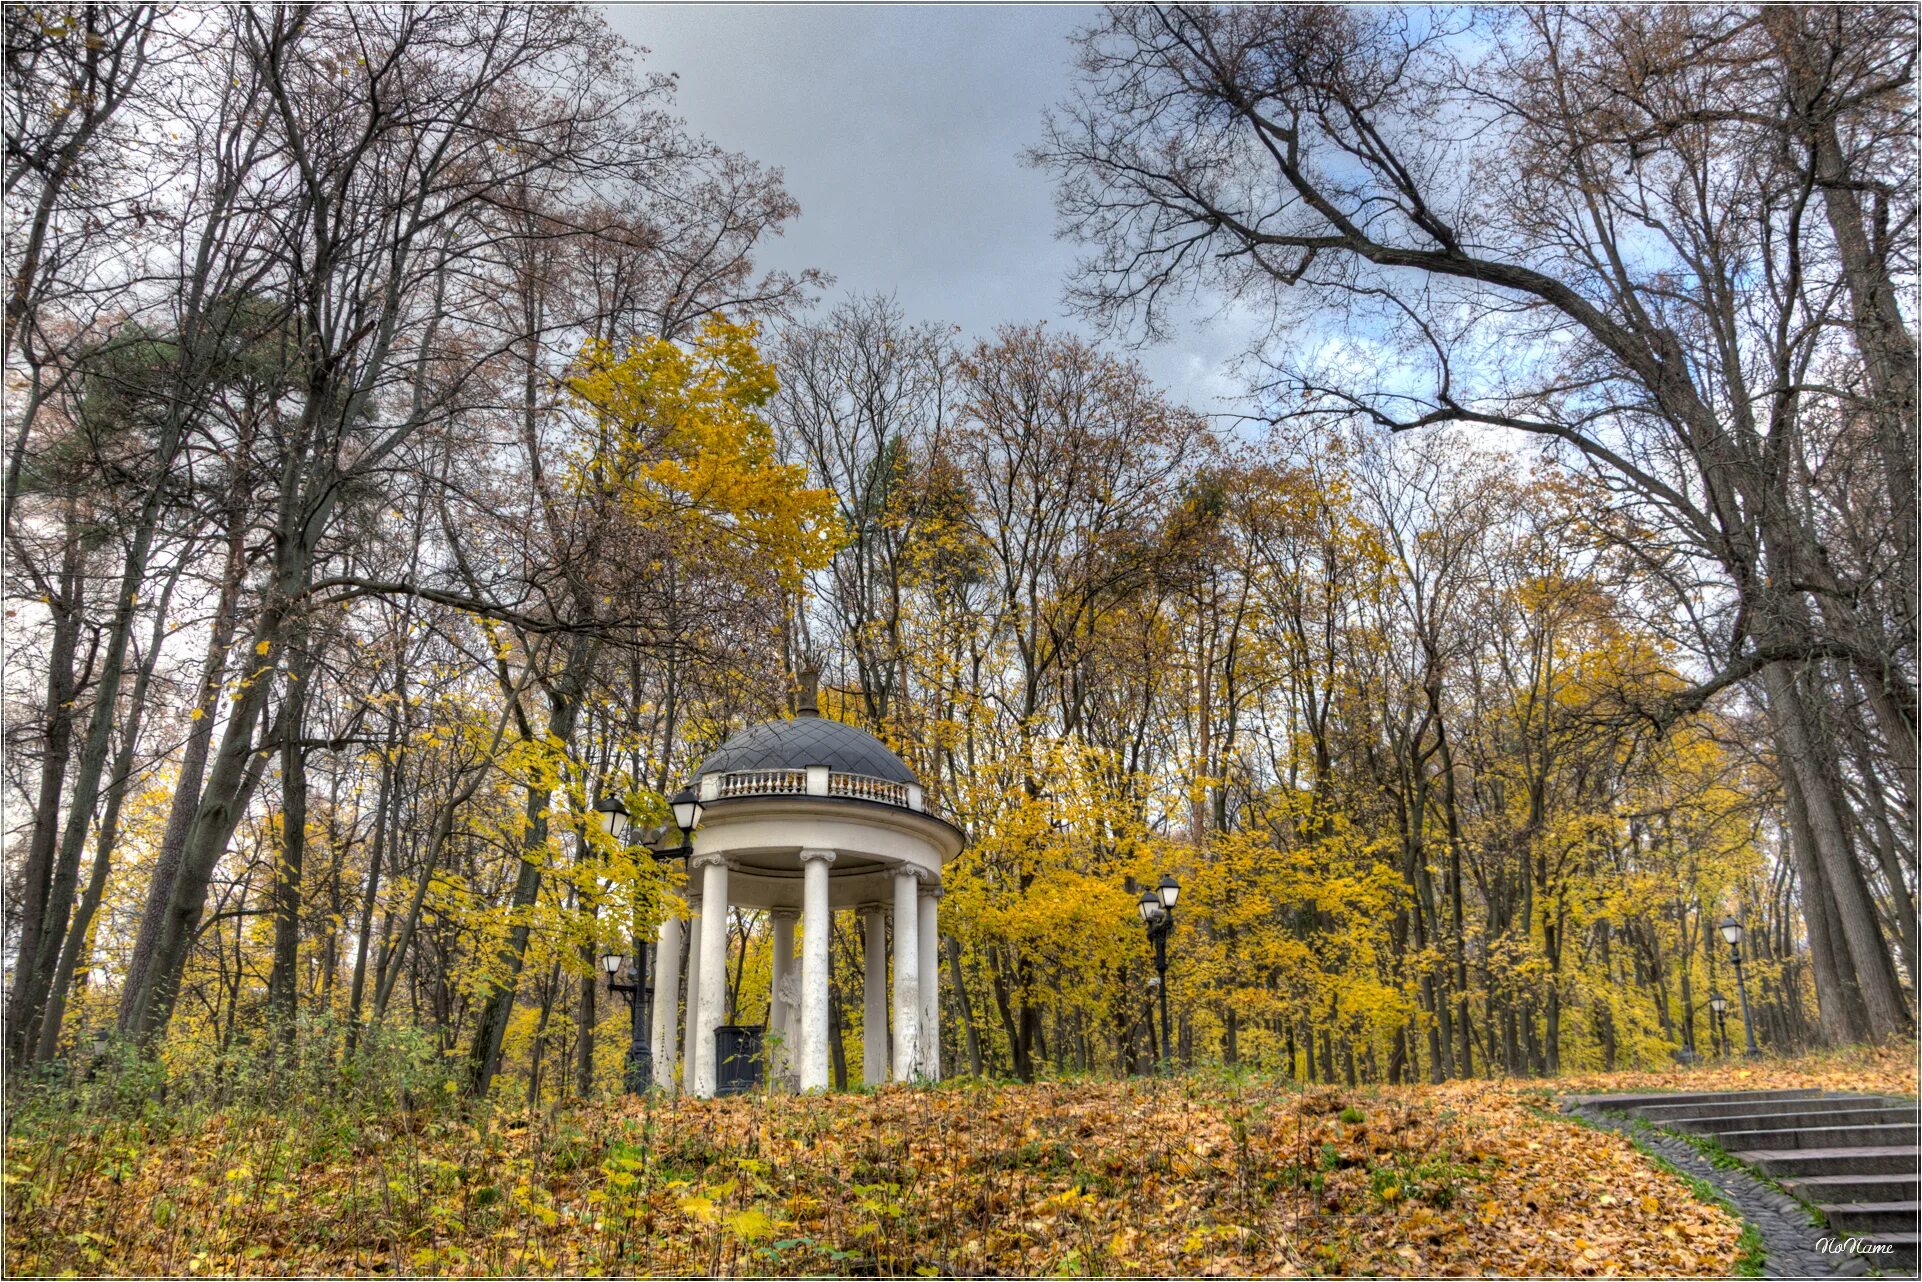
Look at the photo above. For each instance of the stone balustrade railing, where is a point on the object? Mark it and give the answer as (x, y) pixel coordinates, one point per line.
(759, 783)
(816, 781)
(867, 788)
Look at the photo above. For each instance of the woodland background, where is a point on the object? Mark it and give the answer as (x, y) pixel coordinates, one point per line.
(403, 450)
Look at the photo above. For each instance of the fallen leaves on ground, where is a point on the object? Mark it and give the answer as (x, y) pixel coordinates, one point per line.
(1195, 1176)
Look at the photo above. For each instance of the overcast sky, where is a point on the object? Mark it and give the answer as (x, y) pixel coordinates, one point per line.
(900, 129)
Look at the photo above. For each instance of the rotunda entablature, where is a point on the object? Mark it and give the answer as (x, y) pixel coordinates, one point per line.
(762, 838)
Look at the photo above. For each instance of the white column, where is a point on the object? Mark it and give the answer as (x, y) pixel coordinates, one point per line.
(928, 936)
(780, 1001)
(907, 973)
(874, 996)
(667, 991)
(713, 971)
(693, 993)
(815, 924)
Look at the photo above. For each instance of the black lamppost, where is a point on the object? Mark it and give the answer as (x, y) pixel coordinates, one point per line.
(1719, 1004)
(1732, 931)
(640, 1007)
(1158, 915)
(686, 805)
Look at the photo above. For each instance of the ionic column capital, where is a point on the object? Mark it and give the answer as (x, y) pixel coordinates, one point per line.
(910, 870)
(784, 914)
(931, 889)
(812, 854)
(713, 860)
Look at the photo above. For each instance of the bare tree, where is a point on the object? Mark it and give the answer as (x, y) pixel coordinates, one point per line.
(1471, 195)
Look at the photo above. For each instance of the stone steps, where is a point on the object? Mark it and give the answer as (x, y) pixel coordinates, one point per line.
(1820, 1189)
(1887, 1135)
(1802, 1121)
(1668, 1113)
(1657, 1099)
(1853, 1158)
(1870, 1218)
(1894, 1250)
(1790, 1163)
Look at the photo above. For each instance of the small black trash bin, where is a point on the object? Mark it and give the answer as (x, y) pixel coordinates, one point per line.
(737, 1059)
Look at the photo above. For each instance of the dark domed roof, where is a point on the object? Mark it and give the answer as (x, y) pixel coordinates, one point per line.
(807, 740)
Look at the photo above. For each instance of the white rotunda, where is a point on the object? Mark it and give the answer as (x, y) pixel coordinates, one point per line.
(804, 818)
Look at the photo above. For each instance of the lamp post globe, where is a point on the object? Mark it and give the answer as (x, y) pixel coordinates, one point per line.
(613, 816)
(687, 808)
(1168, 890)
(1731, 931)
(1151, 909)
(611, 963)
(1718, 1003)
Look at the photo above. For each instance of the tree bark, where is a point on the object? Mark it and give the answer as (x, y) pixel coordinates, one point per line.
(484, 1057)
(56, 751)
(193, 773)
(1869, 971)
(78, 930)
(283, 981)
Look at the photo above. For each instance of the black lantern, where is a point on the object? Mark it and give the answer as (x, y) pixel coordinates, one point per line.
(1151, 909)
(1731, 931)
(611, 963)
(686, 805)
(1169, 890)
(613, 817)
(686, 808)
(1718, 1003)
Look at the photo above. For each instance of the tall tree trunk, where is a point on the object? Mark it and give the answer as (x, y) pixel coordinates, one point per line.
(78, 930)
(222, 803)
(959, 983)
(1838, 1002)
(56, 751)
(584, 1027)
(283, 981)
(385, 802)
(1861, 944)
(484, 1058)
(187, 785)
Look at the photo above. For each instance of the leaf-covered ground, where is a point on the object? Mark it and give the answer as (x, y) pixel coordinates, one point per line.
(1196, 1176)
